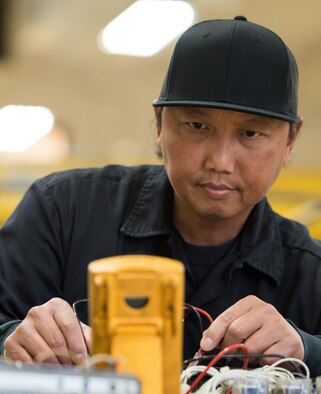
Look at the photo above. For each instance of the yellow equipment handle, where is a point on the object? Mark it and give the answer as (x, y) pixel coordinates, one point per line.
(135, 311)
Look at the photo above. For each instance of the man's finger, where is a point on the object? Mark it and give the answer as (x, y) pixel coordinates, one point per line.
(13, 353)
(87, 331)
(71, 330)
(30, 348)
(217, 330)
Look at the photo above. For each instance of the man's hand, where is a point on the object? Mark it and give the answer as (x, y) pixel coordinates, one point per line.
(50, 333)
(257, 324)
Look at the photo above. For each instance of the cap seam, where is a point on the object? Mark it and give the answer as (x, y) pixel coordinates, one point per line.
(286, 85)
(289, 86)
(284, 48)
(229, 62)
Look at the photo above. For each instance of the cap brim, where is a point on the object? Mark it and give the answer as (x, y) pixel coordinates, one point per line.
(228, 106)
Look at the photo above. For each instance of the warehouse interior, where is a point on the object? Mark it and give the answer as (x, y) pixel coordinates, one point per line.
(101, 102)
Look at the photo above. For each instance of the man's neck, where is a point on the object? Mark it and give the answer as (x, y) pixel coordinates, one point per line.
(208, 230)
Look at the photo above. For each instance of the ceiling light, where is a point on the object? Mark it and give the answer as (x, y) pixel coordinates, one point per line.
(21, 126)
(145, 27)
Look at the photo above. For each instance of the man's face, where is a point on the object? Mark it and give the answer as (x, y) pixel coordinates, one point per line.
(219, 162)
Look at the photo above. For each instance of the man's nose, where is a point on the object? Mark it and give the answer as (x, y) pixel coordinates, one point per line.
(220, 155)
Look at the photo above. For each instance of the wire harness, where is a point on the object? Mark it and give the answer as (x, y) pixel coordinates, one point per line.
(263, 380)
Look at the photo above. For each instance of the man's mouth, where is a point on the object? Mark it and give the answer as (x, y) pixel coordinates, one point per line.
(217, 190)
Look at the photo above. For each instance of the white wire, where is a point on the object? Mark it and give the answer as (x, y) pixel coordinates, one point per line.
(213, 384)
(294, 360)
(224, 379)
(195, 370)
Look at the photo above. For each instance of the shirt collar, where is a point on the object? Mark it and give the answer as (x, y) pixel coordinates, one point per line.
(260, 244)
(152, 212)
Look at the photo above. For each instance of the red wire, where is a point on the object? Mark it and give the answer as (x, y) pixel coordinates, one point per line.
(216, 359)
(200, 351)
(209, 317)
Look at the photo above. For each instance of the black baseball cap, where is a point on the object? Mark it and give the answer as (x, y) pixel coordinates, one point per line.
(232, 64)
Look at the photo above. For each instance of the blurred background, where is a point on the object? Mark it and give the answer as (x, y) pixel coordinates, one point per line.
(100, 103)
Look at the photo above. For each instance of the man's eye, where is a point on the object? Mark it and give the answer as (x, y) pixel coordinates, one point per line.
(197, 125)
(250, 133)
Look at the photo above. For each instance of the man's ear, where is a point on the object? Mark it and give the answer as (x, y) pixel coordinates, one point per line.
(294, 131)
(293, 135)
(298, 125)
(158, 116)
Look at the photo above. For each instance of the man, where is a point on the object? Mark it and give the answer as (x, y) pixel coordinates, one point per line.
(226, 124)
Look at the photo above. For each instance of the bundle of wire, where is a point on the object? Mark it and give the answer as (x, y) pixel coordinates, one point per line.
(223, 380)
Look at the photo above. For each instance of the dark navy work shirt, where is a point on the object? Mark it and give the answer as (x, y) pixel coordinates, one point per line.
(71, 218)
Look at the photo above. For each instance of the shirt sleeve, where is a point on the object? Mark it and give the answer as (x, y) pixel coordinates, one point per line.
(5, 330)
(312, 350)
(31, 255)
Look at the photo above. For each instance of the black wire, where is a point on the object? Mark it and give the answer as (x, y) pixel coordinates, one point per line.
(75, 304)
(198, 316)
(241, 355)
(74, 308)
(231, 355)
